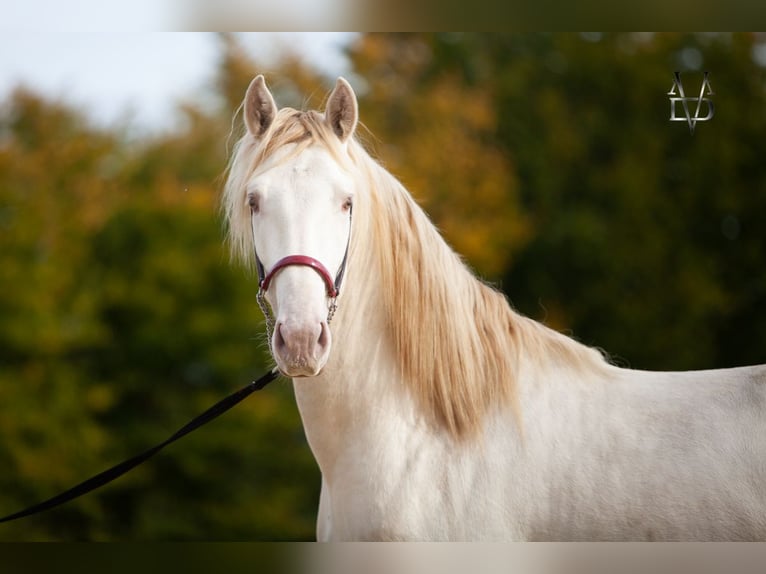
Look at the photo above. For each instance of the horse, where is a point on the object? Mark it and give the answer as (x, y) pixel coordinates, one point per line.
(434, 410)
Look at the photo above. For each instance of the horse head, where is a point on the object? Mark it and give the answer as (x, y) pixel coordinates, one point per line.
(299, 194)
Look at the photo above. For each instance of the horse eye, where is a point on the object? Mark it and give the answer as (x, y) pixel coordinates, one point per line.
(347, 204)
(252, 201)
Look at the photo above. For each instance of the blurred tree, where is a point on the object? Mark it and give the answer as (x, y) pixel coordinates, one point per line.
(629, 250)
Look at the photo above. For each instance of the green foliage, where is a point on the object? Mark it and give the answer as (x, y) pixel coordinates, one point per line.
(547, 160)
(630, 209)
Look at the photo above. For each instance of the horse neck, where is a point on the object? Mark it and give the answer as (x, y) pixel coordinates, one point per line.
(340, 406)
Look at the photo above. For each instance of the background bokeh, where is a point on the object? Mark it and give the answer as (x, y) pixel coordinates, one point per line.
(547, 160)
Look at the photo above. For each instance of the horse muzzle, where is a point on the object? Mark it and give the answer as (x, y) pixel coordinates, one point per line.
(301, 349)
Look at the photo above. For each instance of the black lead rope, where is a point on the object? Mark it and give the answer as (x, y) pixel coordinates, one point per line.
(118, 470)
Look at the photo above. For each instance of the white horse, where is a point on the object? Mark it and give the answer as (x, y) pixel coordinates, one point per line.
(436, 412)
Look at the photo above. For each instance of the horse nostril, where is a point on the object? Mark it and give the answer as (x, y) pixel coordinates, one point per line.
(324, 336)
(279, 340)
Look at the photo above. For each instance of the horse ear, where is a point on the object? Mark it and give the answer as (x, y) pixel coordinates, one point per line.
(342, 112)
(260, 108)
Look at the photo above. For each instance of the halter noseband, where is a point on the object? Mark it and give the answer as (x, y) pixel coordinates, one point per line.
(332, 286)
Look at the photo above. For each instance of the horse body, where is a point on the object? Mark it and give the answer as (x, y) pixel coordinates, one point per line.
(649, 456)
(440, 413)
(623, 455)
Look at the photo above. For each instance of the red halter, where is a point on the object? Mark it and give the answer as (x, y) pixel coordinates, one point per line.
(306, 261)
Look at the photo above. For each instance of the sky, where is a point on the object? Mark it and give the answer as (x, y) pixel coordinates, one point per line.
(130, 71)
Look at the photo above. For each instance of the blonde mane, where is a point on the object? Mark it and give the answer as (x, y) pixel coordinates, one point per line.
(458, 342)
